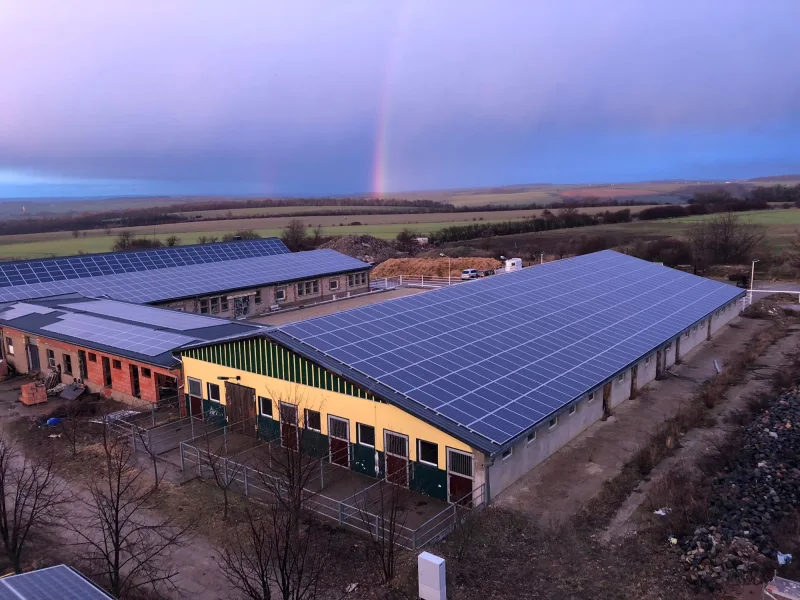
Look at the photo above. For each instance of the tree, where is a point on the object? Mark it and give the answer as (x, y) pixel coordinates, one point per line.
(406, 241)
(31, 499)
(224, 472)
(120, 533)
(383, 514)
(724, 240)
(241, 234)
(173, 240)
(295, 235)
(317, 235)
(246, 560)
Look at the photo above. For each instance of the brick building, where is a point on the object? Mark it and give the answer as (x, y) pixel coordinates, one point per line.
(116, 348)
(237, 279)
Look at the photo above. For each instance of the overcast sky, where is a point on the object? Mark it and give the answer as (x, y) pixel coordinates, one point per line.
(303, 97)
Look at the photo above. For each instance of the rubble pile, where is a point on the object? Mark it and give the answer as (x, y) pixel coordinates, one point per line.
(758, 490)
(363, 247)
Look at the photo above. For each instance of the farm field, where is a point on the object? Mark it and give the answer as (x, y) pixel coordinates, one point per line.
(386, 226)
(288, 210)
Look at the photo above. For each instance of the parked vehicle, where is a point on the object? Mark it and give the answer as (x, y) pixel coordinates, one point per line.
(486, 273)
(469, 274)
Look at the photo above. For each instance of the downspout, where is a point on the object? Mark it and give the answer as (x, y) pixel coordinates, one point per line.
(487, 486)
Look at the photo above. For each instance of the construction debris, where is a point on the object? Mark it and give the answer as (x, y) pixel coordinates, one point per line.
(363, 247)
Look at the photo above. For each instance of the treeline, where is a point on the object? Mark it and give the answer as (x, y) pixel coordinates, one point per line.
(565, 219)
(713, 202)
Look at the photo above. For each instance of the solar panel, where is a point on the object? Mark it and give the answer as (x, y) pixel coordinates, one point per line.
(22, 309)
(158, 317)
(55, 270)
(498, 355)
(58, 582)
(193, 280)
(133, 338)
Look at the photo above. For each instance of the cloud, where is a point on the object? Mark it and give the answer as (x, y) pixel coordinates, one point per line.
(295, 97)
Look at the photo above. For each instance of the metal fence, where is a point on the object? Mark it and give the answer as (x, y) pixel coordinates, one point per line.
(362, 512)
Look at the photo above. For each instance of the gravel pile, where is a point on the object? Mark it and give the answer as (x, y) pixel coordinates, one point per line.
(760, 488)
(363, 247)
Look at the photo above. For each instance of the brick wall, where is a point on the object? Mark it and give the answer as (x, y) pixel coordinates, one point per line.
(121, 383)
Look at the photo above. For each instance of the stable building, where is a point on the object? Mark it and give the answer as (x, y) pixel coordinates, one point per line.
(236, 279)
(459, 391)
(122, 350)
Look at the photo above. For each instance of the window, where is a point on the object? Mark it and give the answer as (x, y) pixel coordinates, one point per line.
(334, 284)
(265, 406)
(531, 437)
(366, 434)
(590, 397)
(67, 360)
(51, 359)
(145, 372)
(195, 387)
(669, 346)
(92, 357)
(10, 346)
(257, 297)
(204, 306)
(223, 303)
(280, 295)
(621, 377)
(313, 420)
(573, 408)
(428, 453)
(306, 288)
(508, 453)
(215, 305)
(357, 279)
(694, 328)
(553, 422)
(702, 323)
(106, 362)
(117, 364)
(647, 360)
(213, 392)
(686, 334)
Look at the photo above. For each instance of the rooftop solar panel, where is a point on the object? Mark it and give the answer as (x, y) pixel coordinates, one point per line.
(22, 309)
(55, 270)
(133, 338)
(144, 314)
(174, 282)
(501, 354)
(53, 583)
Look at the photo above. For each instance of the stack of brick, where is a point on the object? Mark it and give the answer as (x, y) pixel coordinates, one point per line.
(33, 393)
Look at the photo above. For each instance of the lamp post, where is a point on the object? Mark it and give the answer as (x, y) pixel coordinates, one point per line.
(448, 267)
(541, 258)
(752, 276)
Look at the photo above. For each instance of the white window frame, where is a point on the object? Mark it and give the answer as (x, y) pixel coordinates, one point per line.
(189, 381)
(280, 295)
(261, 413)
(219, 392)
(590, 397)
(333, 285)
(257, 297)
(10, 345)
(553, 422)
(572, 409)
(647, 360)
(508, 453)
(419, 453)
(51, 358)
(358, 435)
(621, 377)
(305, 419)
(530, 438)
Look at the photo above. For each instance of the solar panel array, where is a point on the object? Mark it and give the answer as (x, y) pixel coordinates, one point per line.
(22, 309)
(133, 338)
(60, 582)
(193, 279)
(157, 317)
(93, 265)
(501, 354)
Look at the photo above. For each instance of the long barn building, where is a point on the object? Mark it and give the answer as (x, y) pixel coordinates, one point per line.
(229, 279)
(458, 392)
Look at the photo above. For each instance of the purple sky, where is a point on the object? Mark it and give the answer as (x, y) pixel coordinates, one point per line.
(198, 96)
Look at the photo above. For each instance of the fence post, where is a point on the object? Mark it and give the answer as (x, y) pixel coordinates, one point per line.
(191, 421)
(422, 284)
(401, 281)
(341, 514)
(183, 460)
(414, 540)
(225, 437)
(245, 481)
(133, 436)
(199, 465)
(321, 474)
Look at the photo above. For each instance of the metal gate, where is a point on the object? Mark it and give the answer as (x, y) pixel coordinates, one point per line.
(396, 446)
(339, 434)
(459, 477)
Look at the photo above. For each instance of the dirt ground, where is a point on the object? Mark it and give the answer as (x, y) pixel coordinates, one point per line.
(434, 267)
(555, 490)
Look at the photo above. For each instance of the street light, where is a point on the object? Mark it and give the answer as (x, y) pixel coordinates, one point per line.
(448, 267)
(752, 276)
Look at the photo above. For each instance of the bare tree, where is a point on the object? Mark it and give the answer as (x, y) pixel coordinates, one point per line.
(31, 498)
(144, 441)
(173, 240)
(723, 240)
(295, 234)
(76, 233)
(406, 240)
(383, 514)
(70, 426)
(120, 534)
(224, 472)
(246, 558)
(317, 235)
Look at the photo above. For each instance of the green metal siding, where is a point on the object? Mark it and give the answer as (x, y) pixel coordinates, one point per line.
(428, 480)
(215, 412)
(314, 443)
(363, 459)
(268, 429)
(264, 357)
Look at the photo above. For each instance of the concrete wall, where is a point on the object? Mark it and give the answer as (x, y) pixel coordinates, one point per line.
(121, 386)
(335, 286)
(526, 455)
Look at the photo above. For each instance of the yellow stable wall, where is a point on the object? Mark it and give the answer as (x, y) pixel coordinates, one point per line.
(380, 415)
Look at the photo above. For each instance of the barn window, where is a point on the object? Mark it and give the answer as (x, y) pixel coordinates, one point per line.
(508, 454)
(280, 295)
(265, 406)
(428, 453)
(590, 397)
(333, 284)
(204, 306)
(67, 360)
(647, 360)
(366, 435)
(313, 420)
(257, 297)
(145, 372)
(117, 364)
(195, 387)
(573, 408)
(621, 377)
(214, 305)
(92, 357)
(10, 346)
(223, 303)
(531, 437)
(459, 463)
(553, 422)
(213, 392)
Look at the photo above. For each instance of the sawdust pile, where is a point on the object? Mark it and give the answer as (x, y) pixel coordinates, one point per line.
(434, 267)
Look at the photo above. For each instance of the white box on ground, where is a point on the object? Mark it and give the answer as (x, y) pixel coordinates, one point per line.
(432, 584)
